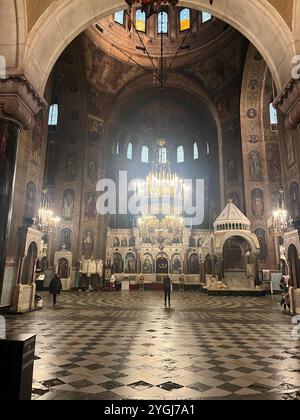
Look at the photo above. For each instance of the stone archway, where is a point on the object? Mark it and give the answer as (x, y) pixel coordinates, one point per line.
(65, 19)
(294, 263)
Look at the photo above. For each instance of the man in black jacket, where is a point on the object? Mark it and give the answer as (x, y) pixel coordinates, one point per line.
(55, 288)
(167, 290)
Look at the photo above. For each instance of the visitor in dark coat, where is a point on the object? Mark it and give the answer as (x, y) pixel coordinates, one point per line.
(55, 288)
(167, 290)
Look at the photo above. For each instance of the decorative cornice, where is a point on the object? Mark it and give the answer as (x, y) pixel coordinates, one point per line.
(19, 102)
(288, 102)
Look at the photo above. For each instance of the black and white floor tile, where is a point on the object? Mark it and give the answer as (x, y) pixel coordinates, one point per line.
(128, 346)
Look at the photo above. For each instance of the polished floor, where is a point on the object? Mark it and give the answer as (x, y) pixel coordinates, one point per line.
(128, 346)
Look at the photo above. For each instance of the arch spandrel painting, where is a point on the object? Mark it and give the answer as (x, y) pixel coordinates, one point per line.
(104, 72)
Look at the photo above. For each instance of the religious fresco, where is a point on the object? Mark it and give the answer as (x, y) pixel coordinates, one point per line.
(30, 202)
(117, 264)
(95, 129)
(68, 204)
(262, 239)
(88, 244)
(258, 207)
(147, 264)
(106, 73)
(92, 171)
(90, 206)
(37, 138)
(289, 147)
(273, 162)
(193, 264)
(294, 199)
(65, 239)
(218, 70)
(255, 165)
(63, 268)
(130, 263)
(177, 264)
(70, 168)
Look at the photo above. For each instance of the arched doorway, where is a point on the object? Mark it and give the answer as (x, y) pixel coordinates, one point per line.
(63, 268)
(29, 264)
(294, 263)
(238, 261)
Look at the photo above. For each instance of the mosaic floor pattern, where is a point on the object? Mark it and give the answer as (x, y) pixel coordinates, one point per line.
(128, 346)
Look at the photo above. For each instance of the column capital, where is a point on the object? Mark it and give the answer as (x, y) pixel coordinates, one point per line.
(288, 102)
(19, 102)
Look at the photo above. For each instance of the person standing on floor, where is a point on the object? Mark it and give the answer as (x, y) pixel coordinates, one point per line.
(55, 288)
(167, 290)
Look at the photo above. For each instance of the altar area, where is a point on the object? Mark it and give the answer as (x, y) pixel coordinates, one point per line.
(225, 258)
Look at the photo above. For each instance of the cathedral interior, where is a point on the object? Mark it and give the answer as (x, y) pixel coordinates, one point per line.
(101, 102)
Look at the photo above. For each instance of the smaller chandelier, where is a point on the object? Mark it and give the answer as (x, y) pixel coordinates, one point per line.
(46, 221)
(150, 7)
(279, 223)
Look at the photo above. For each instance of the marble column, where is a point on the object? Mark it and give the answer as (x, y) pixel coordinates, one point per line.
(9, 132)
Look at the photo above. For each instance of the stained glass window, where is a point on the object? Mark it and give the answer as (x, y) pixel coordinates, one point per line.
(196, 151)
(162, 22)
(119, 17)
(273, 115)
(180, 154)
(206, 17)
(53, 115)
(145, 154)
(140, 21)
(130, 151)
(185, 19)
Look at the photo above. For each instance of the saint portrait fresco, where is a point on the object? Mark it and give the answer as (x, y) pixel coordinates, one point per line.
(147, 266)
(255, 165)
(88, 244)
(70, 170)
(130, 263)
(68, 204)
(93, 171)
(95, 129)
(30, 201)
(90, 206)
(258, 207)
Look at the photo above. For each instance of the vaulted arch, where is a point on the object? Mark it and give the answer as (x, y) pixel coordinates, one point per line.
(65, 19)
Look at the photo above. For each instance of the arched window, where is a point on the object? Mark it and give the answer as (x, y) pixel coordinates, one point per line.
(163, 155)
(140, 21)
(196, 151)
(273, 116)
(207, 148)
(130, 151)
(162, 23)
(118, 148)
(185, 19)
(53, 115)
(145, 154)
(206, 17)
(119, 17)
(180, 154)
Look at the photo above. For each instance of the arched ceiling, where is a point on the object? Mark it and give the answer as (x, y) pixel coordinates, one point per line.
(258, 20)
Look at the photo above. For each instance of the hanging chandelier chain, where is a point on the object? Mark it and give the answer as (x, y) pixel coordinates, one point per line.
(181, 45)
(140, 38)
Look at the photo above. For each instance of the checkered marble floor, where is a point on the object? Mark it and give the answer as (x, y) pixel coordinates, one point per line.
(128, 346)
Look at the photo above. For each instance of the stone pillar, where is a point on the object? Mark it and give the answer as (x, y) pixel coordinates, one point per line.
(9, 132)
(19, 104)
(256, 270)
